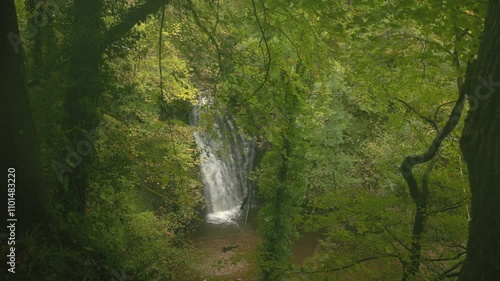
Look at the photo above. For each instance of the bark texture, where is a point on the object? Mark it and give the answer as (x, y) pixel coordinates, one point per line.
(480, 144)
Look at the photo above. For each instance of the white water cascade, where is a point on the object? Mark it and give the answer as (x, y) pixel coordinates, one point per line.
(226, 162)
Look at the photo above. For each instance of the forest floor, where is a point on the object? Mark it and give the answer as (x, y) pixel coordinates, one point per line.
(216, 264)
(238, 263)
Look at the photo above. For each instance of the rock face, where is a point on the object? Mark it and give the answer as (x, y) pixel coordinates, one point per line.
(226, 162)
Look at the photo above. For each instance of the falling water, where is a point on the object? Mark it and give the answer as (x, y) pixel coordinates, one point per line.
(227, 159)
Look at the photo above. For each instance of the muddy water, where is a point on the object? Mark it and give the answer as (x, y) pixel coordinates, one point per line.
(238, 263)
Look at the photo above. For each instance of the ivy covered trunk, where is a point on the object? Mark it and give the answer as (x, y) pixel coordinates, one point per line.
(480, 144)
(283, 187)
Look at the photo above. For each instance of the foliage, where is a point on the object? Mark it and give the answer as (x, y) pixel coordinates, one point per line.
(334, 94)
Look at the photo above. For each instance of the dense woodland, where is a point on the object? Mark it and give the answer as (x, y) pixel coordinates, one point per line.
(377, 126)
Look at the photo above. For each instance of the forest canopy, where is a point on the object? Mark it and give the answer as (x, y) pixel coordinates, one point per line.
(250, 140)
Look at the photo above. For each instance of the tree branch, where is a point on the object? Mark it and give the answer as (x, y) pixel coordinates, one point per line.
(439, 108)
(211, 36)
(268, 64)
(448, 273)
(426, 40)
(410, 161)
(449, 207)
(428, 119)
(447, 259)
(348, 265)
(135, 15)
(397, 239)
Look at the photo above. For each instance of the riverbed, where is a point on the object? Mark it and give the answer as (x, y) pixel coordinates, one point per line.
(239, 263)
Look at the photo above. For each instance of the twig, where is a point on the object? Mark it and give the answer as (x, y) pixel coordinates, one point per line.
(268, 65)
(162, 96)
(211, 36)
(447, 259)
(429, 120)
(439, 107)
(395, 238)
(346, 266)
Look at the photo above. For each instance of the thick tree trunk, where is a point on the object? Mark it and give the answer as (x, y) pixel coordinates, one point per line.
(81, 98)
(88, 43)
(480, 144)
(19, 145)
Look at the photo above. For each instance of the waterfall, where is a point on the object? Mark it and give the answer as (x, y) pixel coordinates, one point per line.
(226, 162)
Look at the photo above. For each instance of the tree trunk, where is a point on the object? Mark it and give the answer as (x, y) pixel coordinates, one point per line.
(20, 148)
(88, 43)
(82, 94)
(480, 144)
